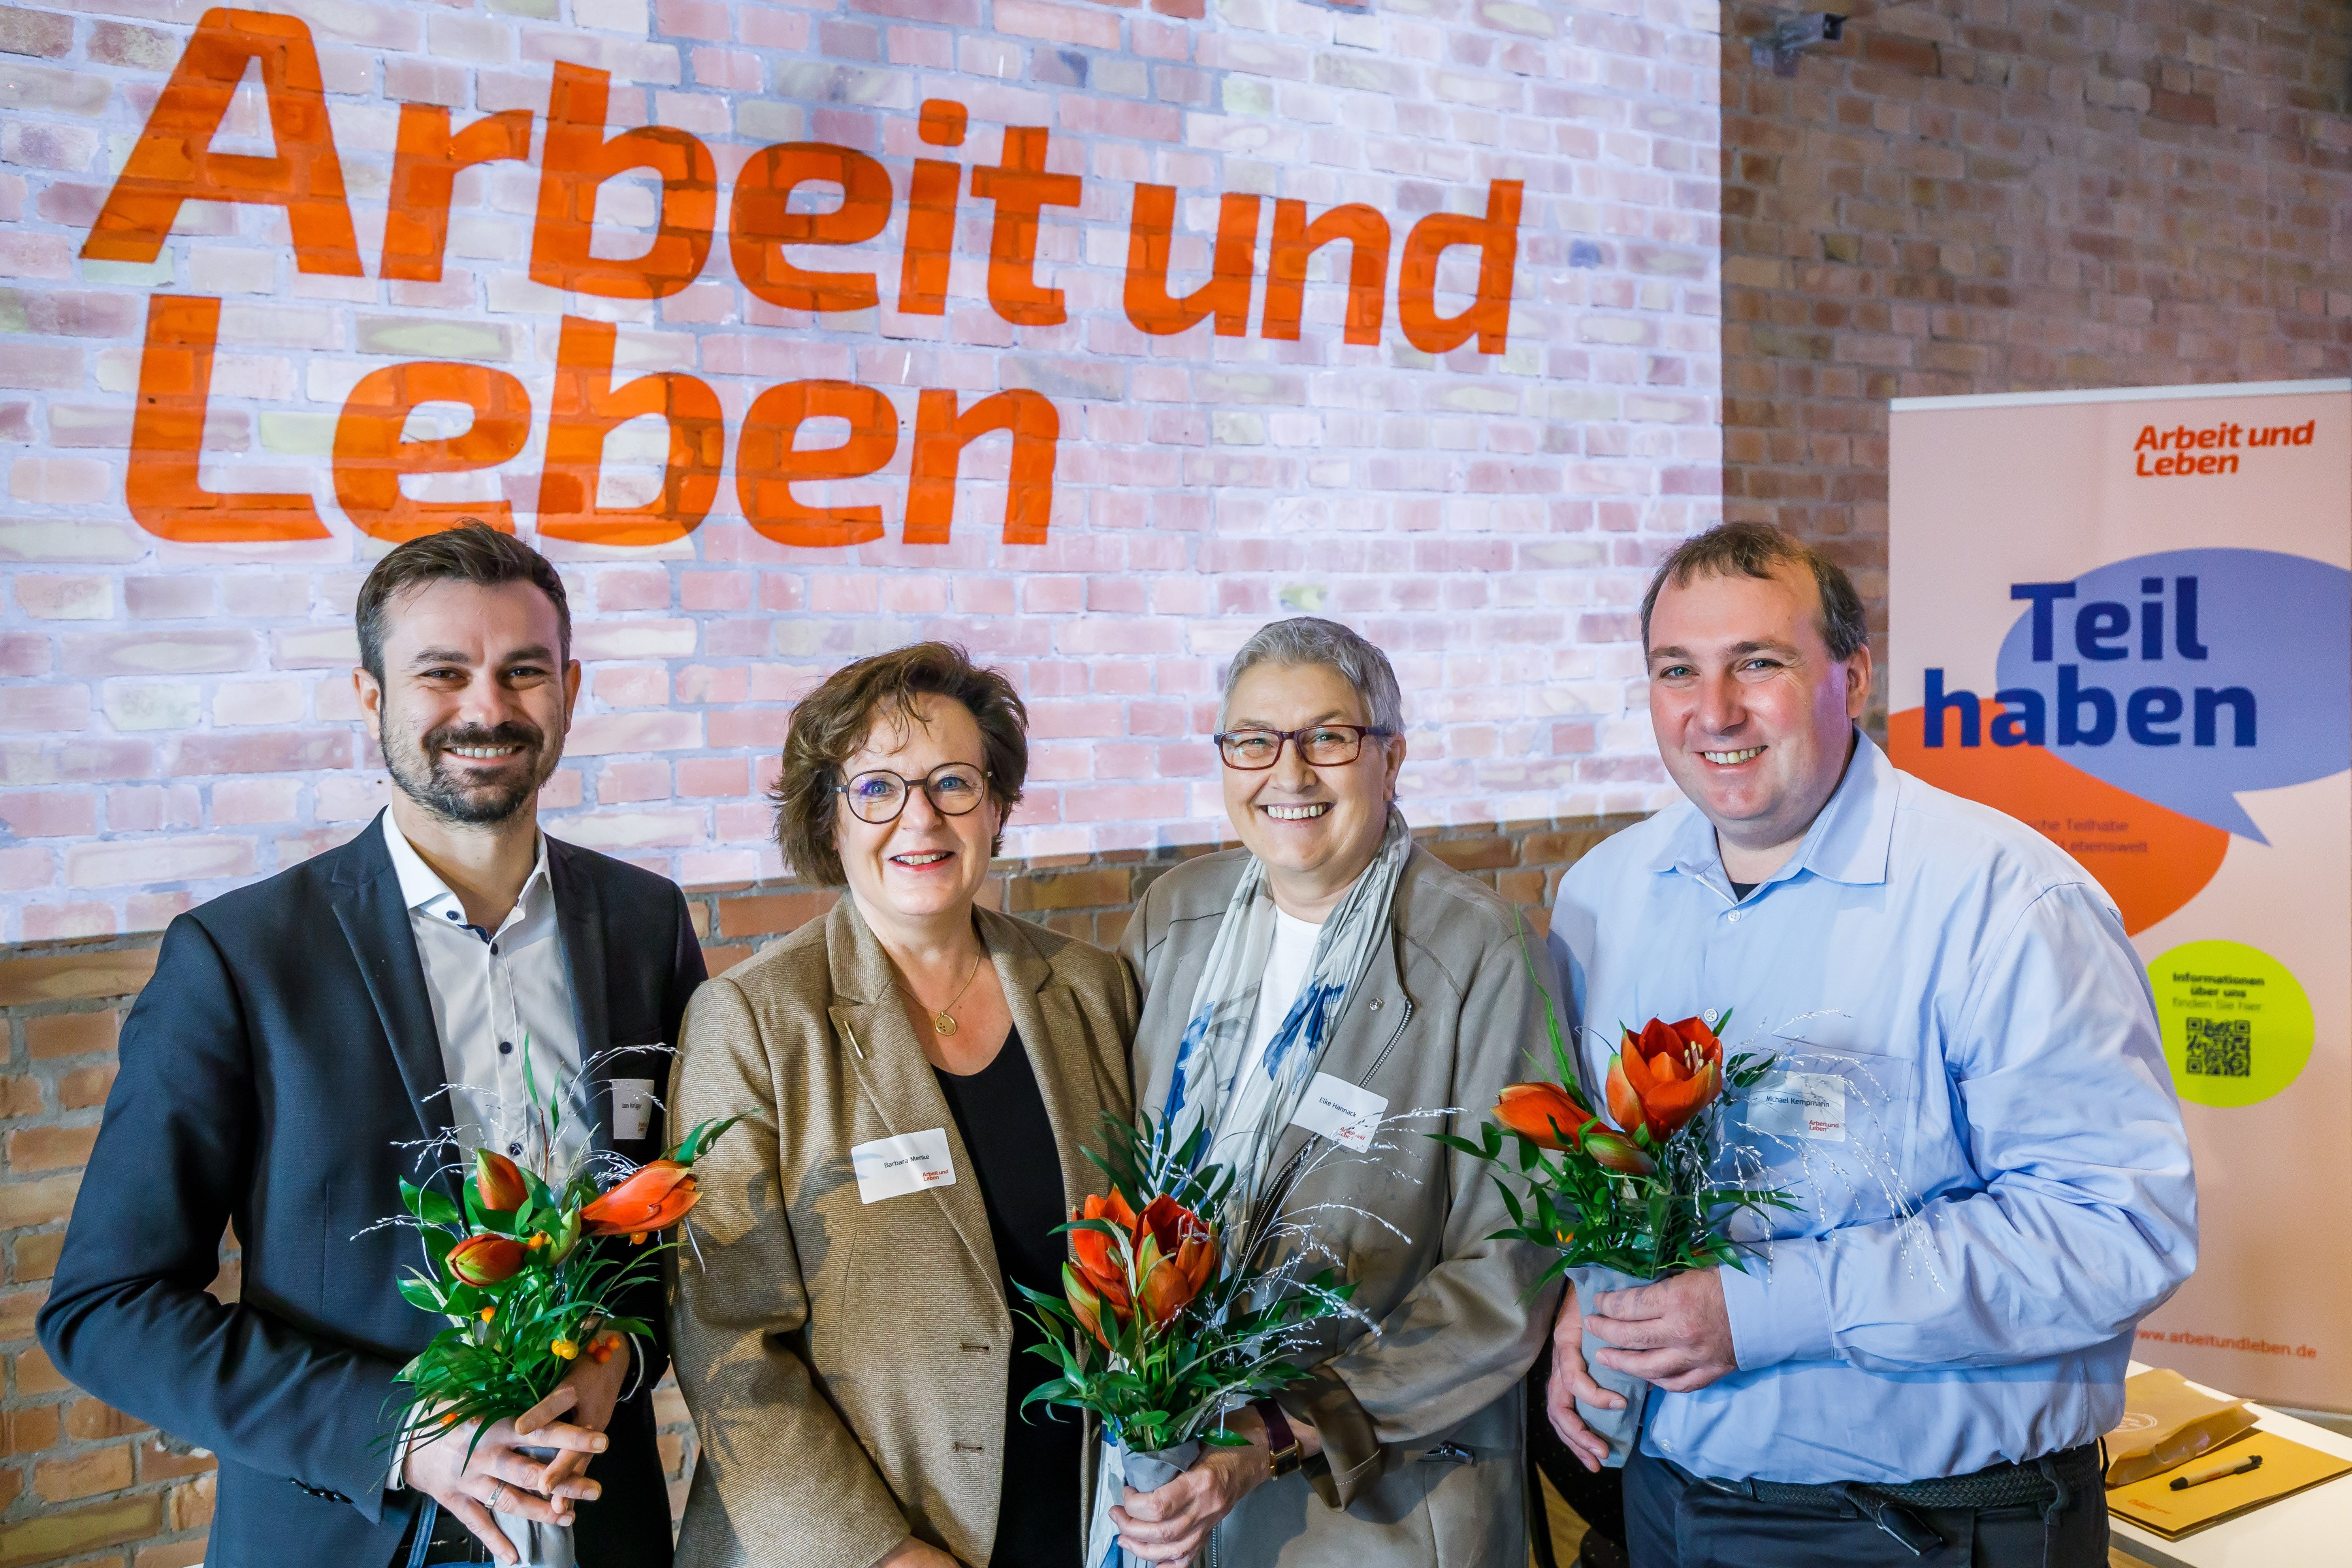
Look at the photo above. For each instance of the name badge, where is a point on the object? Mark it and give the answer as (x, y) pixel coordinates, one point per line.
(1342, 1111)
(633, 1108)
(1798, 1105)
(892, 1167)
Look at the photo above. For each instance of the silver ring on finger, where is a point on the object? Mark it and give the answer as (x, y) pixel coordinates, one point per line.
(498, 1490)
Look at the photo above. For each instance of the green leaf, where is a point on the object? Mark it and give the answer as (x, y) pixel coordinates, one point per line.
(701, 1139)
(429, 1207)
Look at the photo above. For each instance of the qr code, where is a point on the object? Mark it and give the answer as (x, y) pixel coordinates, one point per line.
(2221, 1047)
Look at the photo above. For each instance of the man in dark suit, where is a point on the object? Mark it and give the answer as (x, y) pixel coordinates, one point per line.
(367, 1015)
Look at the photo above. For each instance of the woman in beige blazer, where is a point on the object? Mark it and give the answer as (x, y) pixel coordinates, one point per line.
(917, 1076)
(1388, 983)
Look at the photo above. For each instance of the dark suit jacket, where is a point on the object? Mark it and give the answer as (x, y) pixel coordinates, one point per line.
(279, 1074)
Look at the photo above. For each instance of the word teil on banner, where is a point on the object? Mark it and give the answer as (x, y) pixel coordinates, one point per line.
(2135, 634)
(172, 163)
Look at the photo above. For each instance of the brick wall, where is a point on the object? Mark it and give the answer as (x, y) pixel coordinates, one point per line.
(176, 715)
(82, 1483)
(2018, 196)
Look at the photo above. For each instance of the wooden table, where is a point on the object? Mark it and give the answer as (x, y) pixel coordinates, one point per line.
(2305, 1531)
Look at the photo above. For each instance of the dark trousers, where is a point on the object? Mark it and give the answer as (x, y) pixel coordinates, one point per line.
(1674, 1521)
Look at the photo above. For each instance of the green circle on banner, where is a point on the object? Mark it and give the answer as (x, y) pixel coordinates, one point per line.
(2237, 1026)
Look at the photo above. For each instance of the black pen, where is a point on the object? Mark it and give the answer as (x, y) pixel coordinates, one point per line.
(2216, 1470)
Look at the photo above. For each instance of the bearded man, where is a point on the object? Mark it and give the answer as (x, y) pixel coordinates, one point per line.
(376, 1013)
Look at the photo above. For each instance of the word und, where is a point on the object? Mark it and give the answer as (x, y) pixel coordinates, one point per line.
(2182, 452)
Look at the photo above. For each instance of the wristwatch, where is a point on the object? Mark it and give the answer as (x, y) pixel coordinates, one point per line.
(1281, 1443)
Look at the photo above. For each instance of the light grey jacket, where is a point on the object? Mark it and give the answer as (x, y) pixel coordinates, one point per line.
(1422, 1425)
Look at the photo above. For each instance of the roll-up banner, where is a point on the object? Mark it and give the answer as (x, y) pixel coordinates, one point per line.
(2125, 617)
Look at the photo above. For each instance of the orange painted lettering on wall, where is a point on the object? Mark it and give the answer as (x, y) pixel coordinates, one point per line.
(577, 160)
(173, 162)
(160, 486)
(587, 408)
(931, 212)
(1497, 236)
(767, 462)
(1232, 270)
(1022, 189)
(372, 454)
(1366, 233)
(424, 166)
(941, 436)
(762, 225)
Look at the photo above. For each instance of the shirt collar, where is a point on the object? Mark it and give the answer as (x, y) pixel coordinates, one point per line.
(421, 886)
(1847, 843)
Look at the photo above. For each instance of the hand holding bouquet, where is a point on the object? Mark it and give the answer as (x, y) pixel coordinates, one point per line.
(1636, 1197)
(1165, 1323)
(516, 1268)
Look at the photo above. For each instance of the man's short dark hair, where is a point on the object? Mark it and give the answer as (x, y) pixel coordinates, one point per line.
(1760, 550)
(471, 552)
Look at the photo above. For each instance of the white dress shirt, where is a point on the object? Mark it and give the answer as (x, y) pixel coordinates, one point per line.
(500, 998)
(497, 998)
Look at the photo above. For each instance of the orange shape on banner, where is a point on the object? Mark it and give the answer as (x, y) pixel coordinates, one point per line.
(2150, 859)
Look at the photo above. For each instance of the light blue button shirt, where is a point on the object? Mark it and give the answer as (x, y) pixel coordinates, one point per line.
(1993, 1182)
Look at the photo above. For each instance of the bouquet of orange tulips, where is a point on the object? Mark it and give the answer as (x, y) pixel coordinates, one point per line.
(1642, 1192)
(523, 1270)
(1650, 1192)
(1164, 1324)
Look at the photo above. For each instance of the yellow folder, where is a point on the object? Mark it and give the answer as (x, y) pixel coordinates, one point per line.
(2288, 1467)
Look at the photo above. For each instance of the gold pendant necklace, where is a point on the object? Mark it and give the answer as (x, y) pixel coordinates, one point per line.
(943, 1018)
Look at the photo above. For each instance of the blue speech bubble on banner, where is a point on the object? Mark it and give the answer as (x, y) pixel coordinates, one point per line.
(2186, 676)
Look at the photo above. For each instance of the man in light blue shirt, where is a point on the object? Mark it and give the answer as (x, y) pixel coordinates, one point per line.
(1975, 1122)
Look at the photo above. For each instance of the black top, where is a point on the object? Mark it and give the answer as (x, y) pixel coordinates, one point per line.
(1001, 1118)
(1741, 889)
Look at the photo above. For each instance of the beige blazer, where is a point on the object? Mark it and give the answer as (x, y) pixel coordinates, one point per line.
(846, 1362)
(1422, 1422)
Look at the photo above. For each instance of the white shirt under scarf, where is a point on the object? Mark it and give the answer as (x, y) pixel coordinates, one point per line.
(1289, 961)
(492, 991)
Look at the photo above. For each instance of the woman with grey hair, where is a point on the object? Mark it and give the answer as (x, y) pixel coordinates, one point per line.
(1330, 952)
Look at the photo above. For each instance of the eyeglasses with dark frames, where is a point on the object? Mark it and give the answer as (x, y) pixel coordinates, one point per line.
(1319, 745)
(954, 789)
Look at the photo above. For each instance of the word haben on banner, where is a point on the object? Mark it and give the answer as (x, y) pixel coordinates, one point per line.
(172, 163)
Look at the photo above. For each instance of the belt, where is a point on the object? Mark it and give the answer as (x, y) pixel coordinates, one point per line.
(2046, 1485)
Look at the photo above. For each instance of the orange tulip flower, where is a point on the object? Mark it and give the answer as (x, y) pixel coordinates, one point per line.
(1543, 1113)
(1097, 1257)
(1175, 1255)
(1086, 1302)
(498, 1184)
(1665, 1076)
(656, 1196)
(487, 1259)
